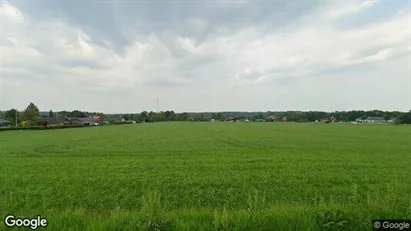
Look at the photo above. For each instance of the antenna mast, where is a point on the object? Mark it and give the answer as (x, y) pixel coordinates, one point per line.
(157, 102)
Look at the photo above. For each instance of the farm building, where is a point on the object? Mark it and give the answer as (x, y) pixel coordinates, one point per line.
(96, 118)
(272, 118)
(85, 121)
(51, 121)
(4, 123)
(373, 120)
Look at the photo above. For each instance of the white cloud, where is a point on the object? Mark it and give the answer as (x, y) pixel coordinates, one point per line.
(11, 13)
(213, 71)
(338, 9)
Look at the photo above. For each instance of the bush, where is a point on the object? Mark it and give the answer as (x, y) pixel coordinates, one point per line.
(122, 122)
(41, 127)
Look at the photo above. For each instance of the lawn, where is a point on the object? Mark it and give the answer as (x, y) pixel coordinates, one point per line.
(202, 176)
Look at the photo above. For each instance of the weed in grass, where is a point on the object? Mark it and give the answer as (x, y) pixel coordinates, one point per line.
(154, 213)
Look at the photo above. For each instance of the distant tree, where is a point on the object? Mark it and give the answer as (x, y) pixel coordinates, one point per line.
(157, 116)
(77, 114)
(151, 117)
(31, 113)
(161, 116)
(182, 116)
(201, 117)
(126, 117)
(219, 116)
(51, 114)
(62, 114)
(11, 116)
(259, 116)
(145, 117)
(396, 114)
(214, 116)
(39, 121)
(169, 115)
(387, 117)
(405, 118)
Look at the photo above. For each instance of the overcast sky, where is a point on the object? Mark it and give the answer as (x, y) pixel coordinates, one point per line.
(116, 56)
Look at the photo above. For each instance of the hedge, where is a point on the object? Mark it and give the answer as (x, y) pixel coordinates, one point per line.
(56, 127)
(42, 127)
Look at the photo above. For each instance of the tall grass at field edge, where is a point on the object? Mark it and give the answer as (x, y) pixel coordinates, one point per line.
(323, 215)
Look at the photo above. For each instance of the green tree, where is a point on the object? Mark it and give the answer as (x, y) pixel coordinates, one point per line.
(201, 117)
(51, 114)
(145, 117)
(78, 114)
(387, 117)
(151, 116)
(169, 115)
(126, 117)
(11, 115)
(405, 118)
(259, 116)
(157, 116)
(31, 112)
(184, 116)
(62, 114)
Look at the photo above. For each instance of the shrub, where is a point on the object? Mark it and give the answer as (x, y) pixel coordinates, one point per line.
(41, 127)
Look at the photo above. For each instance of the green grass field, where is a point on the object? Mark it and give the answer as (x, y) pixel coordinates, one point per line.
(208, 176)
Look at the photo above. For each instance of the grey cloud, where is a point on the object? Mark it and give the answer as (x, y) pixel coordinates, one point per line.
(32, 73)
(121, 22)
(95, 18)
(162, 82)
(73, 63)
(226, 38)
(193, 62)
(7, 42)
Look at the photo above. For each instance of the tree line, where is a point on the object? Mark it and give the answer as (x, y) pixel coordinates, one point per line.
(32, 116)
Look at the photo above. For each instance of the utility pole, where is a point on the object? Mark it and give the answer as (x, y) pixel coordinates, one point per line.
(157, 102)
(16, 117)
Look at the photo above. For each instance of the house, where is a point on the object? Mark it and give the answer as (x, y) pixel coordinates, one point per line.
(85, 121)
(96, 118)
(374, 120)
(4, 123)
(391, 121)
(272, 118)
(359, 120)
(231, 118)
(189, 119)
(52, 121)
